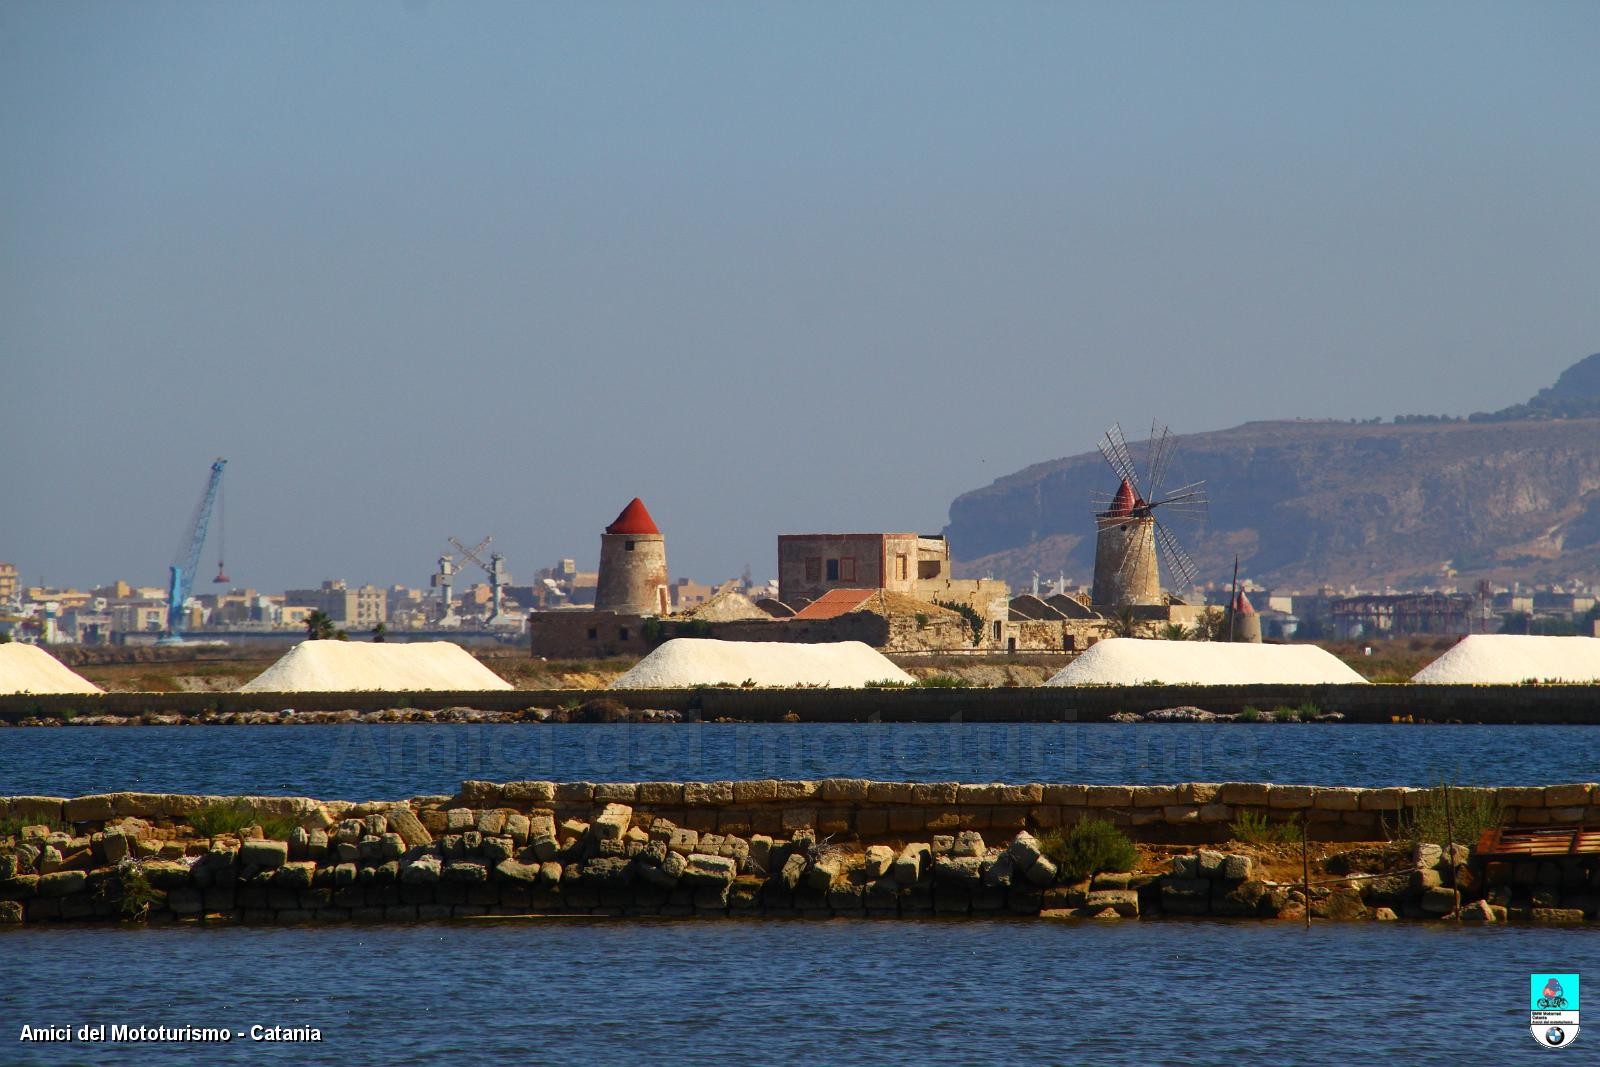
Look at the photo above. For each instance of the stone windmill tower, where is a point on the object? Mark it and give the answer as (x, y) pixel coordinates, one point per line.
(633, 565)
(1129, 537)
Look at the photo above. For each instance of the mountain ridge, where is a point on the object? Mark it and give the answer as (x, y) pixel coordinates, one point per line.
(1421, 502)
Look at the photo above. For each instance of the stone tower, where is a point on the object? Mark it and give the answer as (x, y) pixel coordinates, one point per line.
(1243, 623)
(1125, 553)
(633, 565)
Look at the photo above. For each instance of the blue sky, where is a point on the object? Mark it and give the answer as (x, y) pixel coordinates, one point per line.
(428, 269)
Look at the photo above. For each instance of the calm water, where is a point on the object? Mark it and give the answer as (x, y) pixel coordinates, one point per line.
(781, 992)
(378, 762)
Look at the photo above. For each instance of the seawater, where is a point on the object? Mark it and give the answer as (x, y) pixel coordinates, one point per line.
(391, 761)
(775, 991)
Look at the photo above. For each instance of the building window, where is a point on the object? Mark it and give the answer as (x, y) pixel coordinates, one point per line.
(833, 570)
(814, 569)
(997, 627)
(594, 633)
(847, 569)
(900, 566)
(628, 545)
(622, 633)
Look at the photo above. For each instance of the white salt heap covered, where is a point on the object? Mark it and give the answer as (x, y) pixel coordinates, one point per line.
(1509, 659)
(26, 669)
(1134, 661)
(688, 661)
(346, 666)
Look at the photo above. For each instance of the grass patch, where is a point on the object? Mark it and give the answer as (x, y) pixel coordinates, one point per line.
(215, 820)
(1251, 713)
(1252, 827)
(1086, 848)
(942, 681)
(11, 826)
(1304, 713)
(1472, 811)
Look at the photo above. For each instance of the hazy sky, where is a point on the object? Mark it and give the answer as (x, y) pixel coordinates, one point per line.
(468, 268)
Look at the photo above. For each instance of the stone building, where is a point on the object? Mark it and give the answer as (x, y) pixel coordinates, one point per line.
(361, 608)
(633, 565)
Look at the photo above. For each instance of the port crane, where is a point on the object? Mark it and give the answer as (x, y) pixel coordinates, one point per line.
(187, 559)
(498, 578)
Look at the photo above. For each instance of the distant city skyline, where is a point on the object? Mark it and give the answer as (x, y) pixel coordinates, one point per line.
(420, 270)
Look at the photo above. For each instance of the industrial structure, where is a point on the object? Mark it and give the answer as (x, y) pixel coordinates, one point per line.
(181, 573)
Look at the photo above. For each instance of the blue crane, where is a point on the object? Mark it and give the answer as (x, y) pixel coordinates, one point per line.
(188, 556)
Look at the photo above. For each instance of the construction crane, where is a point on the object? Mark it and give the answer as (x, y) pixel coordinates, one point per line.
(187, 559)
(498, 578)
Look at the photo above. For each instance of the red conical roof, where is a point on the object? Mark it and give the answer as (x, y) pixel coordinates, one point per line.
(1125, 500)
(634, 520)
(1242, 606)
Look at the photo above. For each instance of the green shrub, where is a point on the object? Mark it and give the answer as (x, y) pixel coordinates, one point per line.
(11, 826)
(132, 891)
(942, 681)
(1251, 713)
(888, 683)
(215, 820)
(1252, 827)
(1472, 811)
(1086, 848)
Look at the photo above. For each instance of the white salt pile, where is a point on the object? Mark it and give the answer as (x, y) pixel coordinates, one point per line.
(688, 661)
(346, 666)
(1134, 661)
(26, 669)
(1509, 659)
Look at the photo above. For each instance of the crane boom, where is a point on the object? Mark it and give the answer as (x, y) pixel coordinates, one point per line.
(187, 558)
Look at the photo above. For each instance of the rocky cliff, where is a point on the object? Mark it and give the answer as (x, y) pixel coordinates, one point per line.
(1308, 503)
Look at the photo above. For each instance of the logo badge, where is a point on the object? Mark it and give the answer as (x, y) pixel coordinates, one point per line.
(1553, 1009)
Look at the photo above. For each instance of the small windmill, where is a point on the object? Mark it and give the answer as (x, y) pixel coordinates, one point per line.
(1130, 537)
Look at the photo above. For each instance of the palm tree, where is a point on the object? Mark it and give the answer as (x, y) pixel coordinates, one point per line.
(319, 626)
(379, 632)
(1124, 622)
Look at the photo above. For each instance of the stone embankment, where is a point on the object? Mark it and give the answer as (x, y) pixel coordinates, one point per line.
(831, 847)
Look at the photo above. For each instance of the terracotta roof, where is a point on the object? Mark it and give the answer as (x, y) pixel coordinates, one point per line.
(835, 602)
(633, 520)
(1125, 500)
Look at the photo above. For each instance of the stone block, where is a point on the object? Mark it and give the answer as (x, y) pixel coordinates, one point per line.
(1125, 902)
(1186, 896)
(661, 793)
(1108, 796)
(1045, 816)
(908, 865)
(490, 822)
(1289, 796)
(403, 821)
(1337, 799)
(616, 792)
(1250, 793)
(843, 788)
(707, 793)
(62, 883)
(891, 792)
(1076, 795)
(755, 792)
(1154, 796)
(1178, 814)
(612, 822)
(796, 818)
(264, 854)
(968, 843)
(796, 789)
(96, 808)
(1237, 868)
(701, 869)
(1215, 813)
(1567, 796)
(934, 792)
(574, 793)
(874, 822)
(1198, 792)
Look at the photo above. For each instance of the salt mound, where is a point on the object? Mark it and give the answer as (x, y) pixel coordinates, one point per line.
(1134, 661)
(26, 669)
(688, 661)
(1507, 659)
(346, 666)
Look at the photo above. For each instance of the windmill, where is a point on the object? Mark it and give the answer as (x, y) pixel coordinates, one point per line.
(1130, 537)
